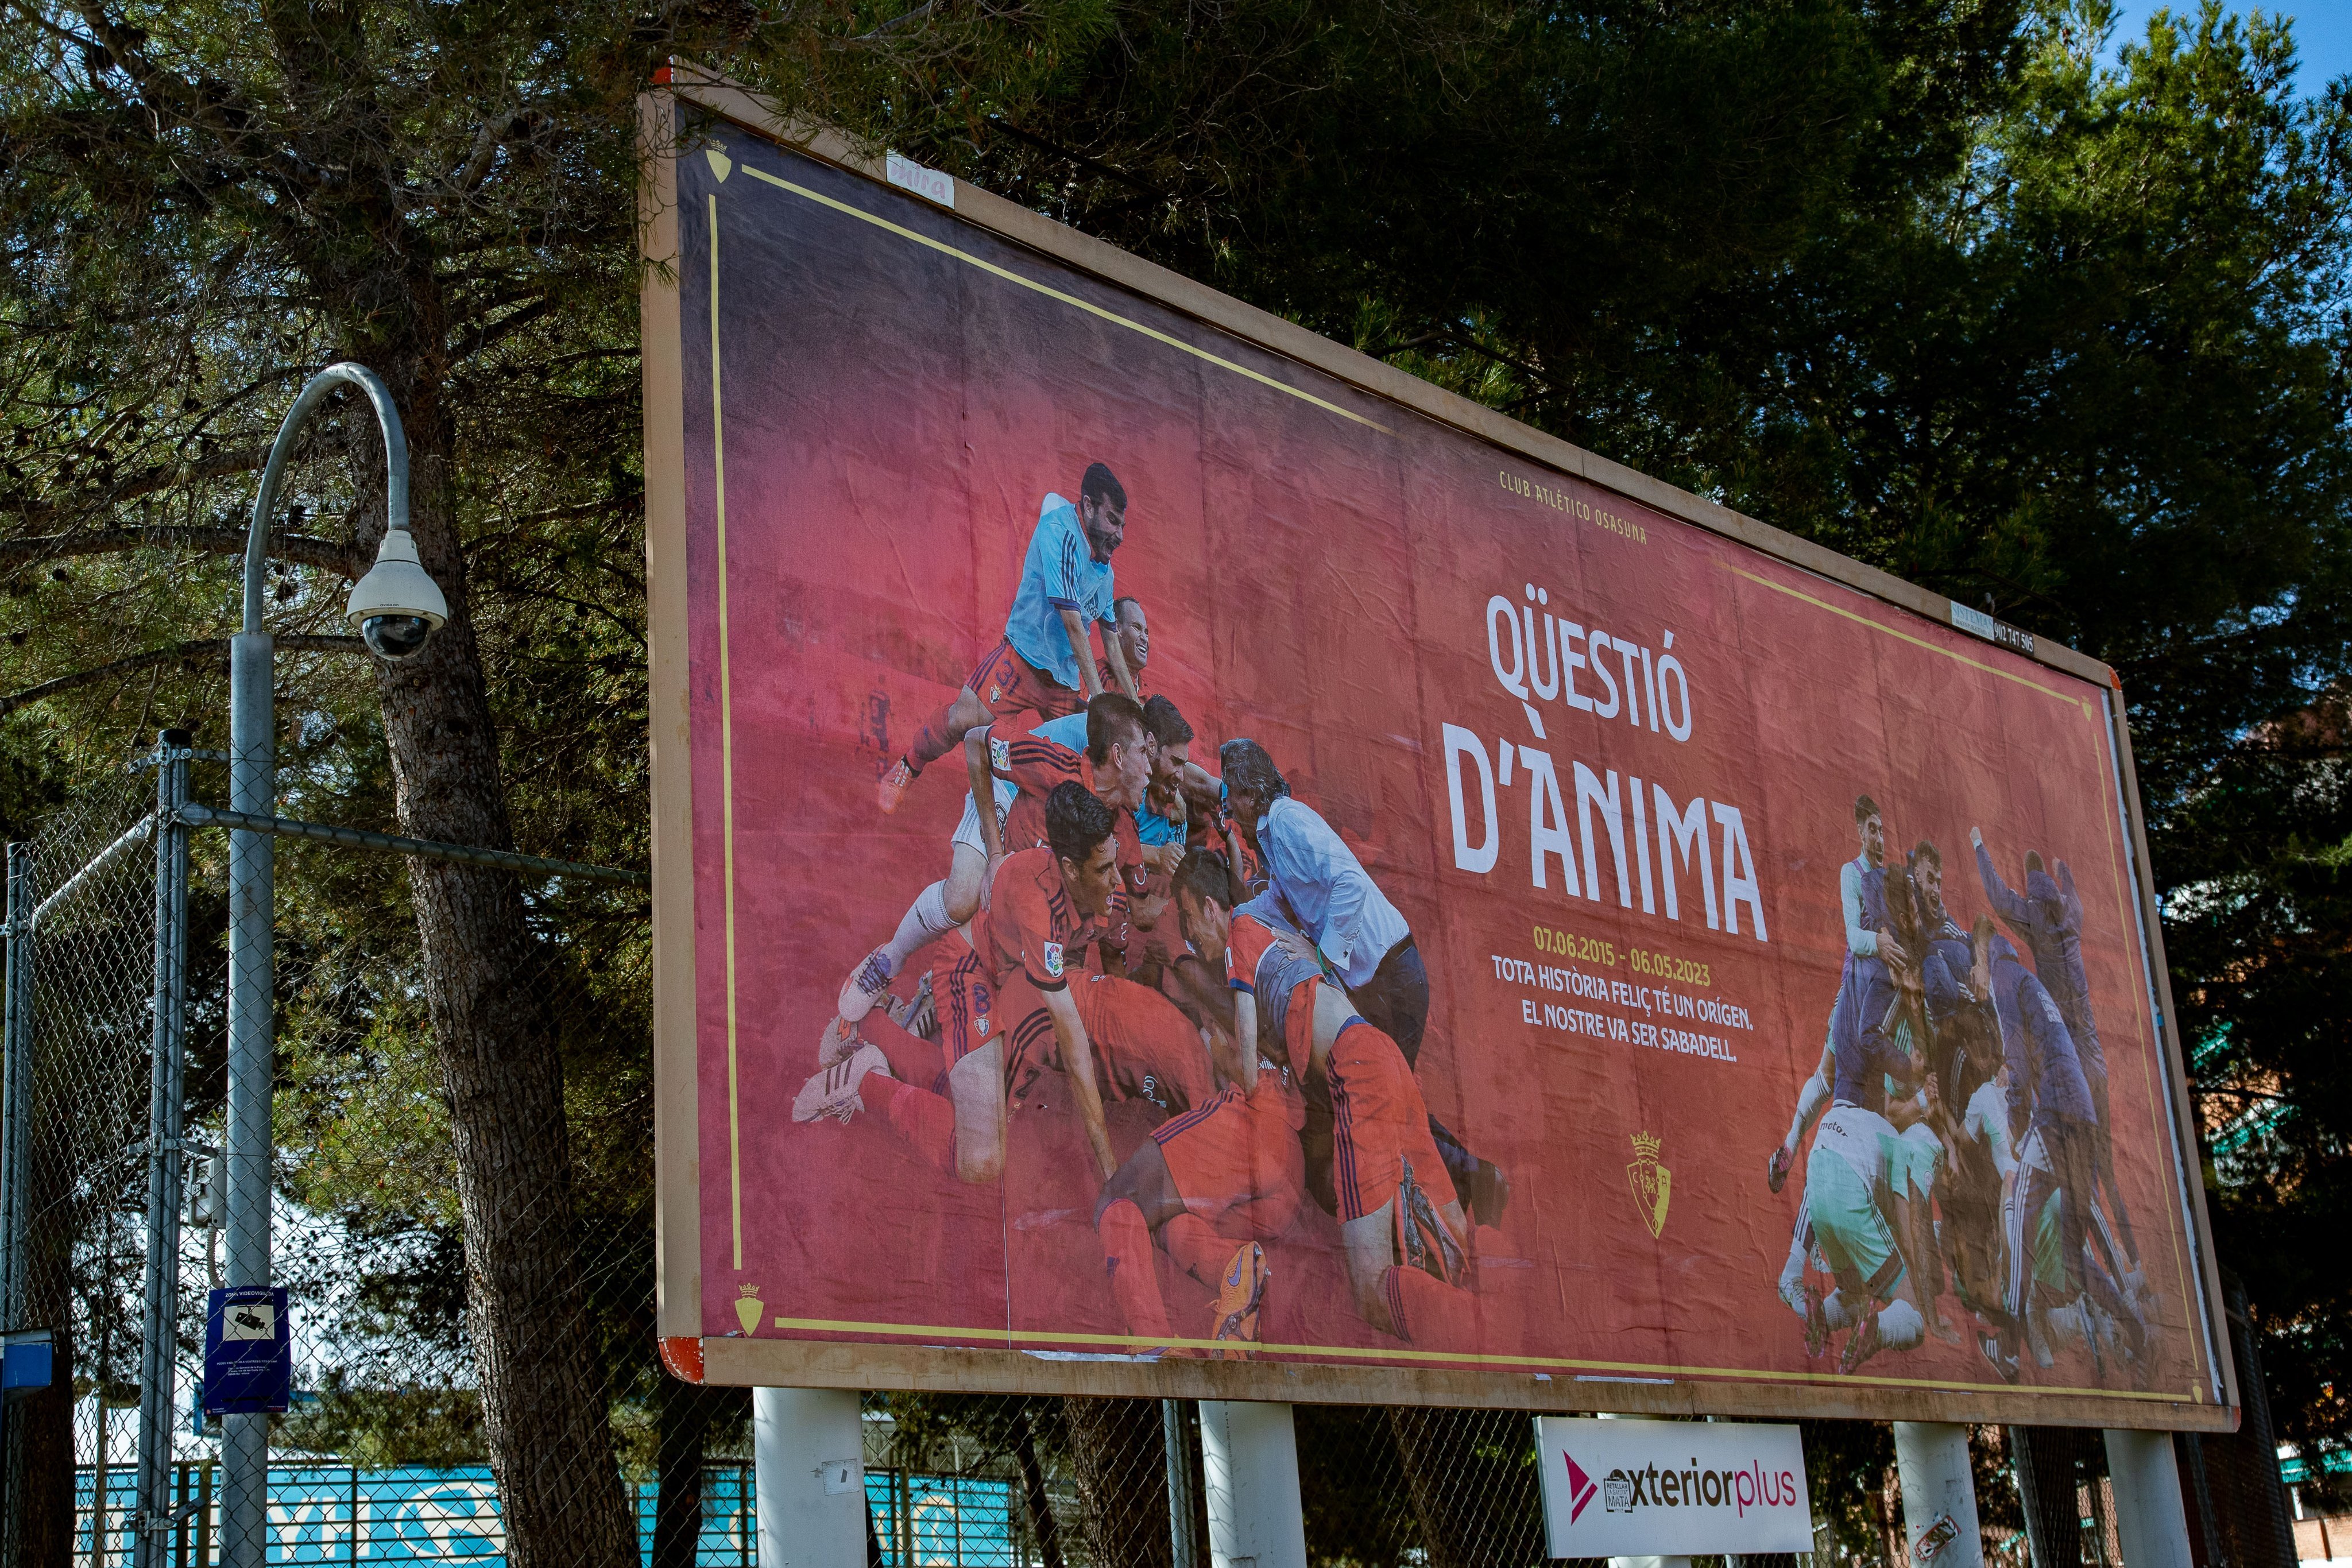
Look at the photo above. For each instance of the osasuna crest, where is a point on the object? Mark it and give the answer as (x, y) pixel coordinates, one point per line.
(1652, 1182)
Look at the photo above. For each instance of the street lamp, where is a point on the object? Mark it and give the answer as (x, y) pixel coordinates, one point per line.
(396, 607)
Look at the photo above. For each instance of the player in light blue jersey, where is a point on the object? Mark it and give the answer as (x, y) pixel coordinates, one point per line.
(1045, 664)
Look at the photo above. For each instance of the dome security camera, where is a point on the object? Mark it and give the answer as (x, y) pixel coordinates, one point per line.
(397, 605)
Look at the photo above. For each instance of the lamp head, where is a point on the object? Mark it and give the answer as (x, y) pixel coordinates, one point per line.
(397, 605)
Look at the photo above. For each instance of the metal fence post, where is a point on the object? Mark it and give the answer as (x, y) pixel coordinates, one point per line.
(1172, 1425)
(159, 1319)
(15, 1158)
(245, 1440)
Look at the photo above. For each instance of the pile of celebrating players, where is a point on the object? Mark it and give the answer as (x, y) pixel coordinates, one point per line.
(1962, 1151)
(1112, 912)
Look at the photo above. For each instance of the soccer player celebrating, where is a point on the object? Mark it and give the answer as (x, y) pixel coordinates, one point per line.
(1134, 645)
(1214, 1184)
(1356, 928)
(2050, 1105)
(1404, 1236)
(1117, 764)
(1862, 900)
(1017, 1003)
(1859, 1189)
(1045, 664)
(2048, 918)
(1054, 752)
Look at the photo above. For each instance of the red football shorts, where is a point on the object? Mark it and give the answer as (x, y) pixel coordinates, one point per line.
(1010, 684)
(1144, 1047)
(962, 998)
(1233, 1153)
(1378, 1122)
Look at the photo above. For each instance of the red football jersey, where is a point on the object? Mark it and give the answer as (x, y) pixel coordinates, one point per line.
(1031, 926)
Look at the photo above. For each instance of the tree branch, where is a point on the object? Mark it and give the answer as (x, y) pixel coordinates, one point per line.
(163, 476)
(197, 648)
(339, 559)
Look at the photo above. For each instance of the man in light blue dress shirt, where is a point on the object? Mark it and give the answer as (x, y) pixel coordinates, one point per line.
(1361, 938)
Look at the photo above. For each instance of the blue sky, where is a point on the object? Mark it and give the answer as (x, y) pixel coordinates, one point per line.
(2323, 31)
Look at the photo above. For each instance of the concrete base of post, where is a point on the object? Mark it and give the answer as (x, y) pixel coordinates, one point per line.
(1931, 1462)
(1249, 1465)
(2151, 1524)
(807, 1454)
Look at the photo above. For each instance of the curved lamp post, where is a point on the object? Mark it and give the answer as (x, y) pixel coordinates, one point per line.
(396, 607)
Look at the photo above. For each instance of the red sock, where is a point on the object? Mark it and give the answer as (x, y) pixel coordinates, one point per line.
(1429, 1311)
(1197, 1248)
(1127, 1257)
(933, 741)
(911, 1059)
(918, 1115)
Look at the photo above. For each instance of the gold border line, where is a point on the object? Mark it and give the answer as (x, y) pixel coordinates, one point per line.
(1020, 1340)
(726, 751)
(1881, 626)
(1051, 293)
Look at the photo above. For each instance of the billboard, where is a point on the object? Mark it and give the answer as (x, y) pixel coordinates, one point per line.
(1189, 862)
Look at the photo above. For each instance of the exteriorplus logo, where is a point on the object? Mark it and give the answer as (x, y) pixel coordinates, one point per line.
(1579, 1488)
(1649, 1487)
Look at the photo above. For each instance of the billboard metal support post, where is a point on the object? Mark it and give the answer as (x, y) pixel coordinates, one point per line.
(2151, 1524)
(159, 1336)
(1939, 1493)
(809, 1471)
(253, 787)
(1249, 1465)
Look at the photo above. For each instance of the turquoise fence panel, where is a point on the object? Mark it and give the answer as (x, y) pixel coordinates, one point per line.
(949, 1521)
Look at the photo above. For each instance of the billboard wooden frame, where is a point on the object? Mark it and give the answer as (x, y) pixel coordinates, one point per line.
(781, 1363)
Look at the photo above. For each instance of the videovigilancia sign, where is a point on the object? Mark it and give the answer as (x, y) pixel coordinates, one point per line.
(1672, 1488)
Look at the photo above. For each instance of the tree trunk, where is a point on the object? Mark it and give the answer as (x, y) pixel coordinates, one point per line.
(543, 1397)
(687, 1410)
(1042, 1522)
(1118, 1450)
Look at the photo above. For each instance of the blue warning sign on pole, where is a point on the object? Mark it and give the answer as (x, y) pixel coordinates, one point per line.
(248, 1353)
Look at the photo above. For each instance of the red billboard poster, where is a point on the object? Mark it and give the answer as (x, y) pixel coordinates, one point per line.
(1183, 869)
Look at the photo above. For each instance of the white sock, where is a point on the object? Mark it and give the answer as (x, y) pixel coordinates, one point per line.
(1792, 1272)
(926, 922)
(1833, 1310)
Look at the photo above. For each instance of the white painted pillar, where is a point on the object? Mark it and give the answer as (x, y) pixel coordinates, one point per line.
(808, 1462)
(1249, 1463)
(1931, 1462)
(2151, 1524)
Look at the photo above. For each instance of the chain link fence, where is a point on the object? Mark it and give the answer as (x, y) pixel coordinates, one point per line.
(383, 1455)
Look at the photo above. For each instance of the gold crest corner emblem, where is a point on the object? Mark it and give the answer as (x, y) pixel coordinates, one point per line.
(748, 1308)
(1652, 1182)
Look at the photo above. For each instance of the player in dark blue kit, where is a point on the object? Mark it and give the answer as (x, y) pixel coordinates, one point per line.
(1869, 941)
(2048, 918)
(2052, 1112)
(1964, 1054)
(1860, 1184)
